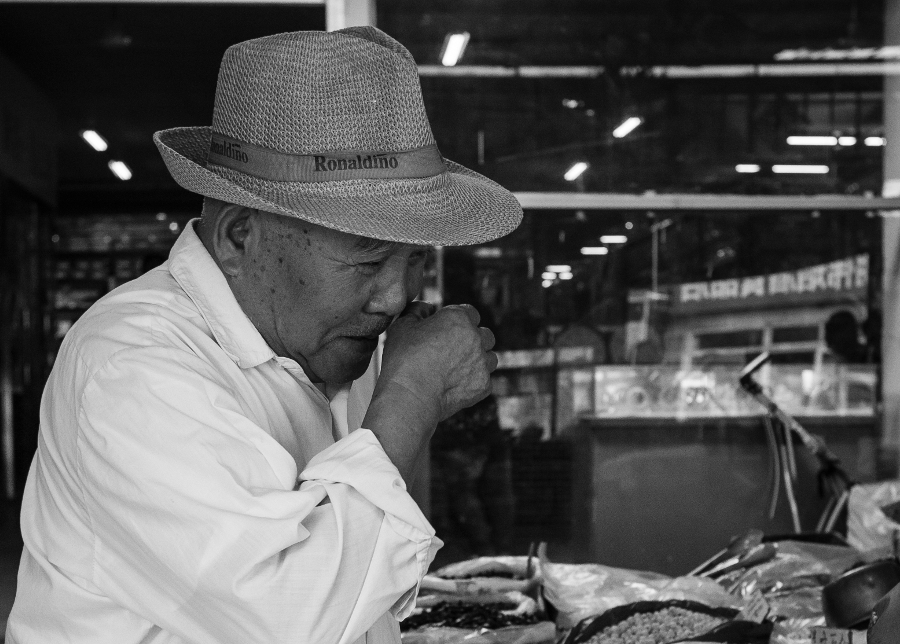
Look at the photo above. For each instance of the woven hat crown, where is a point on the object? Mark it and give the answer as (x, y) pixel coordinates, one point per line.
(331, 128)
(312, 92)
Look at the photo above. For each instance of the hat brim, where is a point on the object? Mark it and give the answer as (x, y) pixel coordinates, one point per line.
(455, 208)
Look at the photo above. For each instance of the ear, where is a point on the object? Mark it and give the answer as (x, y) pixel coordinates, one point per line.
(233, 234)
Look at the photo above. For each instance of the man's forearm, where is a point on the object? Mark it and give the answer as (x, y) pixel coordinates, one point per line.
(403, 425)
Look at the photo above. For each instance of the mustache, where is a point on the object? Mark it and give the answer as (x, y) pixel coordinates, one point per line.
(372, 330)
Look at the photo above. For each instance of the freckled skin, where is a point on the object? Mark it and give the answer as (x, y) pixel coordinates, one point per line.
(324, 302)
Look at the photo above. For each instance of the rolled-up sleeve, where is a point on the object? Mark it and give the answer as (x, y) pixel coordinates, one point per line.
(196, 530)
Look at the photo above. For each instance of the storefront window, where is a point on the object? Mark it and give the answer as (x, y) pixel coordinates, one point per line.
(684, 301)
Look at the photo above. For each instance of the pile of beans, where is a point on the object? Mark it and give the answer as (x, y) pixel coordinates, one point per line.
(460, 615)
(667, 625)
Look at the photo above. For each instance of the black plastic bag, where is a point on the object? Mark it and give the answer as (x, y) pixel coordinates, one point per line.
(731, 632)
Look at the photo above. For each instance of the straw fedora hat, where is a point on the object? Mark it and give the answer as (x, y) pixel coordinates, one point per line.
(331, 128)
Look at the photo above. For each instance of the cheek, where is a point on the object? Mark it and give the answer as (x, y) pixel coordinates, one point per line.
(327, 303)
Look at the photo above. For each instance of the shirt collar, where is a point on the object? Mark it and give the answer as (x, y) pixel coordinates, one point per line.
(198, 274)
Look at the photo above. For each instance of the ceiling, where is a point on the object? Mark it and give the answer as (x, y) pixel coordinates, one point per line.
(128, 70)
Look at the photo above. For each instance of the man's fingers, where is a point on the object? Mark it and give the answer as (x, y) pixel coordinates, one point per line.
(471, 311)
(487, 338)
(419, 310)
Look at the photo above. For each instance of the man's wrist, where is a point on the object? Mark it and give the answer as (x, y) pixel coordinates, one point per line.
(396, 398)
(403, 422)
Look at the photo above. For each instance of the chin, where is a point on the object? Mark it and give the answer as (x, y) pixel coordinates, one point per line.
(348, 371)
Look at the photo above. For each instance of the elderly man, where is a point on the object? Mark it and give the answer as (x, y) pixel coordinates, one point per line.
(217, 462)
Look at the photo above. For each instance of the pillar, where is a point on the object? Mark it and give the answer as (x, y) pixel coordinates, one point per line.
(349, 13)
(890, 387)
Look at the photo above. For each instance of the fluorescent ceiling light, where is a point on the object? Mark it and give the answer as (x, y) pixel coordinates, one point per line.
(747, 168)
(852, 53)
(812, 140)
(874, 141)
(613, 239)
(799, 169)
(120, 170)
(559, 268)
(627, 127)
(454, 47)
(94, 140)
(594, 250)
(575, 171)
(547, 275)
(547, 283)
(565, 276)
(847, 140)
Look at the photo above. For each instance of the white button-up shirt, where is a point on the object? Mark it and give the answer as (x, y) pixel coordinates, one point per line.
(164, 503)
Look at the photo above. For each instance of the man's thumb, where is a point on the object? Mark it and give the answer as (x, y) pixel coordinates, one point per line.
(419, 310)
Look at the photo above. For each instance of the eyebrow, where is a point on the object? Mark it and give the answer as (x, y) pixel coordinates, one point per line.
(372, 245)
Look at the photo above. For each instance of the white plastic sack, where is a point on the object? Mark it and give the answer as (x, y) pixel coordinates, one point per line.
(583, 590)
(867, 526)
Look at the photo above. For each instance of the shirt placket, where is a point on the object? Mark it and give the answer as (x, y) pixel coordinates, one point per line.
(295, 371)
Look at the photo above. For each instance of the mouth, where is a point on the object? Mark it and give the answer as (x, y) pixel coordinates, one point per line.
(365, 344)
(367, 339)
(370, 334)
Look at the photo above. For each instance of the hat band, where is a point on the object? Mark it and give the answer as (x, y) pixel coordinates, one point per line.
(329, 166)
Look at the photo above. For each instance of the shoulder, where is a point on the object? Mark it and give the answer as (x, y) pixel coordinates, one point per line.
(144, 316)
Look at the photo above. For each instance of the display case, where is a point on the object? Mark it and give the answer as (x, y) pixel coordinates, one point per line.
(93, 254)
(552, 389)
(663, 391)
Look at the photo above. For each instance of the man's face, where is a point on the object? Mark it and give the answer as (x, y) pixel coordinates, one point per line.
(322, 297)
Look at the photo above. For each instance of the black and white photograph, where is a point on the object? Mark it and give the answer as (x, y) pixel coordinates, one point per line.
(449, 322)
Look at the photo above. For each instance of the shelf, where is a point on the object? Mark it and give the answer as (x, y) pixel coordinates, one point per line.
(125, 252)
(81, 280)
(77, 309)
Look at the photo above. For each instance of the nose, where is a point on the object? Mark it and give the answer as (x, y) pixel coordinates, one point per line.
(392, 289)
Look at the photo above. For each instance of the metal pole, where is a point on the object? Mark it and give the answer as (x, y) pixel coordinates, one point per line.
(439, 275)
(890, 339)
(7, 428)
(340, 14)
(6, 402)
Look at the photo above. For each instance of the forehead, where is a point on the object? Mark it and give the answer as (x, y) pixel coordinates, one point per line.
(320, 238)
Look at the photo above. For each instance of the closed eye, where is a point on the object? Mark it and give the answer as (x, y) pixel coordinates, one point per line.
(373, 265)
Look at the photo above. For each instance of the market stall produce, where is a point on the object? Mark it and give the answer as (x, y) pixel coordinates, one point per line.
(462, 614)
(656, 622)
(481, 601)
(757, 590)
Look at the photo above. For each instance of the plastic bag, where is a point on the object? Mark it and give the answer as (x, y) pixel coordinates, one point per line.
(868, 526)
(792, 581)
(578, 591)
(475, 585)
(733, 632)
(795, 631)
(523, 603)
(512, 566)
(540, 633)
